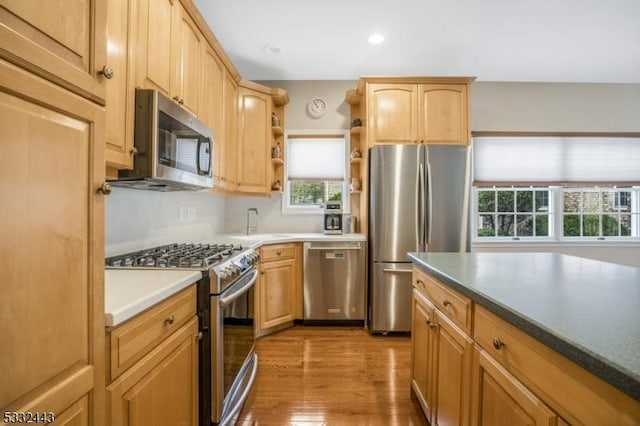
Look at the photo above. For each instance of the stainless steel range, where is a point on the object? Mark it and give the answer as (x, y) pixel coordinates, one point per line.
(228, 363)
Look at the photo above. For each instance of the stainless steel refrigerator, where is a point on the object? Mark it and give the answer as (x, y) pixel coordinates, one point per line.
(418, 202)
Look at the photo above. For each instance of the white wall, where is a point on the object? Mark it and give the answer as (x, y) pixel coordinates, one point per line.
(136, 219)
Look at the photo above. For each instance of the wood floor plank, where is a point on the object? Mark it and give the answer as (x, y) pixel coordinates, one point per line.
(332, 376)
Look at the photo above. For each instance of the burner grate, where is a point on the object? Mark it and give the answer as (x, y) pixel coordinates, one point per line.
(177, 255)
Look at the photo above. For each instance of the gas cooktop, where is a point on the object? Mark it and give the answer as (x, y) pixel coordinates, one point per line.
(177, 256)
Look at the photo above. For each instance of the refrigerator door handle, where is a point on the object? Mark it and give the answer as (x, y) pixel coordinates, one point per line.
(429, 204)
(420, 208)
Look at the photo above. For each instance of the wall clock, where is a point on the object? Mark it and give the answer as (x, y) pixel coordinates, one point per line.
(317, 107)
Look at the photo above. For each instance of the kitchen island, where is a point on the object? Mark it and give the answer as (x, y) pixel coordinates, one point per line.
(585, 310)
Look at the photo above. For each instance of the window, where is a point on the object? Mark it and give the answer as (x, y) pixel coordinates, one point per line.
(597, 212)
(556, 188)
(315, 171)
(513, 212)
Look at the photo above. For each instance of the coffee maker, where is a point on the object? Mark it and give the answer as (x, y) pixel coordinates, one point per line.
(333, 218)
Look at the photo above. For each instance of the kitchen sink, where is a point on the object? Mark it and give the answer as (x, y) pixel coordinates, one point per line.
(257, 237)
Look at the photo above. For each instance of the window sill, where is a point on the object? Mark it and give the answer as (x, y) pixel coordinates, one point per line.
(555, 243)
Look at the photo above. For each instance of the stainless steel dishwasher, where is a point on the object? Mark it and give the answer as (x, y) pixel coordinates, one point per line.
(334, 282)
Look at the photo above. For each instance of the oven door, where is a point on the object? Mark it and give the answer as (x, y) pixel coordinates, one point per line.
(233, 348)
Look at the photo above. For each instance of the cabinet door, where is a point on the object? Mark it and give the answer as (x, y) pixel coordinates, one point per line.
(162, 388)
(120, 94)
(156, 44)
(254, 142)
(501, 400)
(187, 64)
(59, 40)
(423, 339)
(443, 114)
(229, 146)
(51, 166)
(276, 293)
(211, 103)
(454, 360)
(392, 113)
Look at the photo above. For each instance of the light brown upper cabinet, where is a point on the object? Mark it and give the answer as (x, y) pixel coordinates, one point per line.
(186, 82)
(228, 167)
(254, 141)
(420, 111)
(120, 93)
(59, 40)
(211, 106)
(156, 43)
(392, 111)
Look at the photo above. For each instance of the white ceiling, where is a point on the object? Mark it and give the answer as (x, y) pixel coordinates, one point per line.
(494, 40)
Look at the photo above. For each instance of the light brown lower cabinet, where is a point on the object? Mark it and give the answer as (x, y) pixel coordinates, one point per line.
(501, 376)
(422, 353)
(501, 400)
(442, 356)
(161, 388)
(453, 363)
(279, 287)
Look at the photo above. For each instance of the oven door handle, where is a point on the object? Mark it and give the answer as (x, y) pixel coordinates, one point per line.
(229, 298)
(245, 393)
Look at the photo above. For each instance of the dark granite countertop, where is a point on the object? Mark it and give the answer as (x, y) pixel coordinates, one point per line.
(587, 310)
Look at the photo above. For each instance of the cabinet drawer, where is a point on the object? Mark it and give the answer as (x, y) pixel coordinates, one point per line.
(132, 340)
(420, 281)
(453, 304)
(277, 252)
(573, 392)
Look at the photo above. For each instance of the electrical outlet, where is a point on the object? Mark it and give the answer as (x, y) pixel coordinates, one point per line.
(191, 212)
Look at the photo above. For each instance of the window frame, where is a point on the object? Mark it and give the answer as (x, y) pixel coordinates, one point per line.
(287, 208)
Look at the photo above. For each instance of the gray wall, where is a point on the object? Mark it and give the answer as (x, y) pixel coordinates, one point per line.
(136, 217)
(337, 116)
(555, 107)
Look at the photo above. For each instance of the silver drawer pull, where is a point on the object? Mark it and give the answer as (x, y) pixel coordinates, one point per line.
(397, 271)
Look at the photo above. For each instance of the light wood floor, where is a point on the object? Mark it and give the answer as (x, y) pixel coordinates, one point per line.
(332, 376)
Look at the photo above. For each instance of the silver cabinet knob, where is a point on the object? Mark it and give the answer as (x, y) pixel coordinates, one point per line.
(170, 319)
(105, 188)
(497, 343)
(107, 72)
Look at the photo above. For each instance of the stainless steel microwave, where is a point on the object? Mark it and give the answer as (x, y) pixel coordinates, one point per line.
(173, 149)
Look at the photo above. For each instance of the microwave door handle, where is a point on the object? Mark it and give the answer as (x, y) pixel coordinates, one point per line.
(199, 170)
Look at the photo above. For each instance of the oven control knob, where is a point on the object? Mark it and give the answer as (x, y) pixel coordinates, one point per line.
(232, 272)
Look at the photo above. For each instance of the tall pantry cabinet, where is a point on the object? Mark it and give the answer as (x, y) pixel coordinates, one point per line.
(52, 92)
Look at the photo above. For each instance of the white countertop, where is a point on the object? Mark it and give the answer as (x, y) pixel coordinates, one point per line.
(257, 240)
(130, 291)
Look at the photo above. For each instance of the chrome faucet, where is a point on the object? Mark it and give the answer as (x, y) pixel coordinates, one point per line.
(252, 229)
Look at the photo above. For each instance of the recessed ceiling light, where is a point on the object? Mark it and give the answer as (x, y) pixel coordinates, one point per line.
(273, 49)
(376, 38)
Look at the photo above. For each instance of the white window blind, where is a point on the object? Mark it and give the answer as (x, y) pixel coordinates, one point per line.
(532, 160)
(316, 158)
